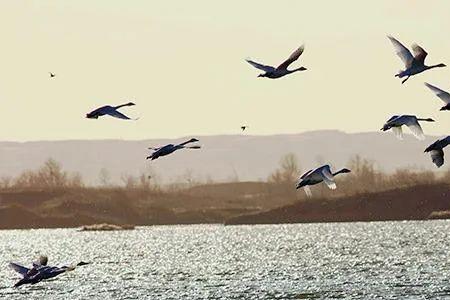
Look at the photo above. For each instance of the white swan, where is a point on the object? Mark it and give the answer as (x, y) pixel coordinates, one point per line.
(396, 122)
(281, 70)
(437, 152)
(40, 271)
(413, 64)
(443, 95)
(318, 175)
(109, 110)
(170, 148)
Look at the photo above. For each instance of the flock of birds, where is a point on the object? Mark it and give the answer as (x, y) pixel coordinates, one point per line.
(414, 64)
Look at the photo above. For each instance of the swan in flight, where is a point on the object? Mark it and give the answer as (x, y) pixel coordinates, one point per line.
(318, 175)
(414, 64)
(109, 110)
(281, 70)
(396, 122)
(437, 152)
(40, 271)
(443, 95)
(170, 148)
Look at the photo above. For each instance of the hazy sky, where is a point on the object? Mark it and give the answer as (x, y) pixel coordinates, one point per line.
(182, 63)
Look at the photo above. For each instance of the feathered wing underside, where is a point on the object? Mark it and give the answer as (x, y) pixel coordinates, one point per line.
(437, 156)
(443, 95)
(119, 115)
(293, 57)
(419, 53)
(398, 132)
(307, 190)
(416, 129)
(328, 178)
(19, 269)
(403, 52)
(260, 66)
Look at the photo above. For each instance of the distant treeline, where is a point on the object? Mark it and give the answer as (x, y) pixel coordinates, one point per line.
(364, 178)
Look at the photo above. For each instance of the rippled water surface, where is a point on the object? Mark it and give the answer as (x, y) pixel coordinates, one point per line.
(390, 260)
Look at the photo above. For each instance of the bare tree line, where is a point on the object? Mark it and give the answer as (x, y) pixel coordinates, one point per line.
(364, 178)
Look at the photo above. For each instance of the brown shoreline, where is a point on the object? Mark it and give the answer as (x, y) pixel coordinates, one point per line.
(79, 207)
(413, 203)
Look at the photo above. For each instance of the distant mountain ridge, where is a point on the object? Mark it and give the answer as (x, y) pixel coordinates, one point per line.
(223, 157)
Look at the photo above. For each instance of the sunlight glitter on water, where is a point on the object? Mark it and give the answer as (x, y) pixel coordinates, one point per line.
(303, 261)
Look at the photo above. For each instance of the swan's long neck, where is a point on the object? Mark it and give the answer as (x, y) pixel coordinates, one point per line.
(423, 119)
(122, 105)
(338, 172)
(435, 66)
(184, 143)
(298, 69)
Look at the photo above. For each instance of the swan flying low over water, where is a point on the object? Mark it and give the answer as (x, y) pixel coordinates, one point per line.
(443, 95)
(40, 271)
(437, 152)
(281, 70)
(170, 148)
(109, 110)
(414, 64)
(396, 122)
(318, 175)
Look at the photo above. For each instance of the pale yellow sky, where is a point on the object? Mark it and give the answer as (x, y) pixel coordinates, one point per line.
(182, 63)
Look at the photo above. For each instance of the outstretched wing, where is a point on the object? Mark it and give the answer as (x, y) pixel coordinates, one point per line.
(419, 53)
(443, 95)
(417, 131)
(119, 115)
(328, 178)
(398, 132)
(294, 56)
(437, 156)
(306, 174)
(307, 190)
(415, 128)
(403, 52)
(391, 119)
(260, 66)
(19, 269)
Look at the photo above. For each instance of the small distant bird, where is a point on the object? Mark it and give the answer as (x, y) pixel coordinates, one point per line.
(109, 110)
(281, 70)
(413, 64)
(443, 95)
(244, 127)
(318, 175)
(40, 271)
(437, 152)
(170, 148)
(51, 74)
(396, 122)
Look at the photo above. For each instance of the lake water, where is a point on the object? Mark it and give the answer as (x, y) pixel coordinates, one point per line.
(385, 260)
